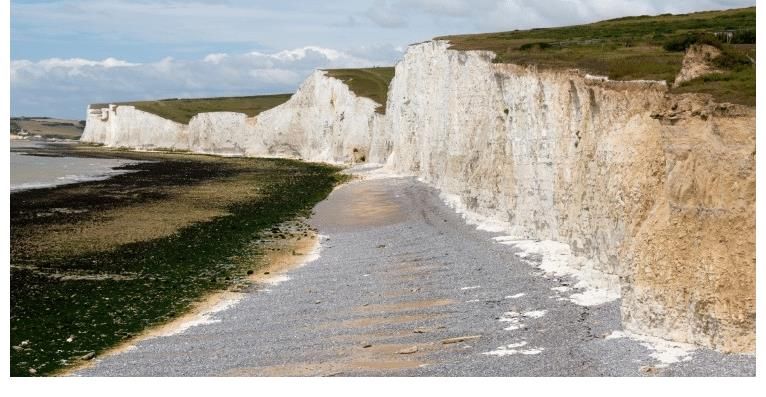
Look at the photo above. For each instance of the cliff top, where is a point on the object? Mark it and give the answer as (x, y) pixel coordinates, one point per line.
(182, 110)
(637, 48)
(367, 82)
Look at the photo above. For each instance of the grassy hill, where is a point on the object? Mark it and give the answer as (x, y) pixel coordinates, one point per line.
(642, 47)
(46, 127)
(182, 110)
(369, 82)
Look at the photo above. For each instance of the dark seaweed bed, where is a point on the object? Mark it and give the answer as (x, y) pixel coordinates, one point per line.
(55, 322)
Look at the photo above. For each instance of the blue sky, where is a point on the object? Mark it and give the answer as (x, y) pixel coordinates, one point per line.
(68, 53)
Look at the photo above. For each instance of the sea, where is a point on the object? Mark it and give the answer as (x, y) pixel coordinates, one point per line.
(33, 172)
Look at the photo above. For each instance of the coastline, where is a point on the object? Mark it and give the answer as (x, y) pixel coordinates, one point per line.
(98, 263)
(31, 170)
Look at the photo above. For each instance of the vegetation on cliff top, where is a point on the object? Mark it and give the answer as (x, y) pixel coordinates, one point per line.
(182, 110)
(629, 48)
(95, 263)
(367, 82)
(633, 48)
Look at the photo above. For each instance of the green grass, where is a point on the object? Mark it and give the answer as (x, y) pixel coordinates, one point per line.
(627, 48)
(55, 321)
(182, 110)
(368, 82)
(736, 86)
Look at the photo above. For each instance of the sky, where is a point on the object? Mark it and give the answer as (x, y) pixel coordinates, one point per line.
(66, 54)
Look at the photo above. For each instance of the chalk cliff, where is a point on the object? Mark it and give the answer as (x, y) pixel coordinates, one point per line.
(322, 121)
(654, 193)
(126, 126)
(654, 189)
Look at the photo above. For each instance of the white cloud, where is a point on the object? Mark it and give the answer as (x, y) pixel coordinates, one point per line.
(68, 85)
(300, 53)
(80, 62)
(215, 58)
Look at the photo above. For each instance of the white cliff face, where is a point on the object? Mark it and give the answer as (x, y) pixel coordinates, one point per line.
(323, 121)
(605, 167)
(126, 126)
(542, 153)
(223, 133)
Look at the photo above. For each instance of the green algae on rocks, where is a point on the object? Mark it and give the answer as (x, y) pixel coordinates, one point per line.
(161, 238)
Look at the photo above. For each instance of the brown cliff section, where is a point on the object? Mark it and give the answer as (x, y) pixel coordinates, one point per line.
(697, 62)
(692, 259)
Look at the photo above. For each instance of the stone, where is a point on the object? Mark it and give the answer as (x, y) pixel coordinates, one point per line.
(649, 370)
(459, 339)
(409, 350)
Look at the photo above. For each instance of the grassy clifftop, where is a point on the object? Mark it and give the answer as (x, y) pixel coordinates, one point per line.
(642, 47)
(629, 48)
(182, 110)
(367, 82)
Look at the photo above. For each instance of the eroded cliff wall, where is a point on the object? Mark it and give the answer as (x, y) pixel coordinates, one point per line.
(653, 189)
(654, 193)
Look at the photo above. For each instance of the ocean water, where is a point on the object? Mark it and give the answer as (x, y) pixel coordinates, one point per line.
(33, 172)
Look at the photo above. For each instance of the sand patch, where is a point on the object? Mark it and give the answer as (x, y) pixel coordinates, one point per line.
(112, 228)
(288, 255)
(381, 320)
(339, 368)
(361, 203)
(382, 358)
(405, 306)
(371, 337)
